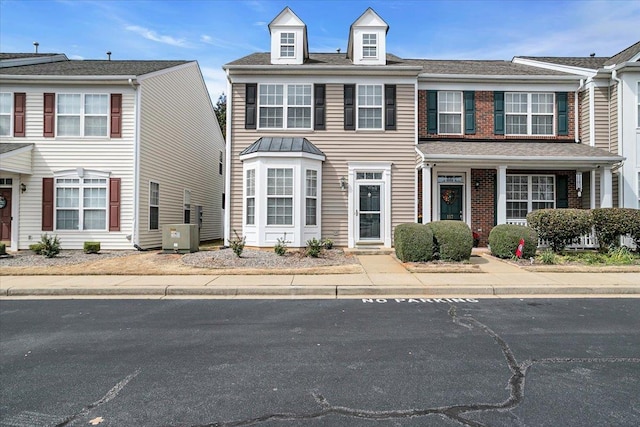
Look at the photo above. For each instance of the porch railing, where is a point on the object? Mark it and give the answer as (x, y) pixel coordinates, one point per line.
(586, 241)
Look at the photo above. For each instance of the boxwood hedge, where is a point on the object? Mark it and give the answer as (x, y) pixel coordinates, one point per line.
(413, 242)
(505, 238)
(453, 240)
(560, 226)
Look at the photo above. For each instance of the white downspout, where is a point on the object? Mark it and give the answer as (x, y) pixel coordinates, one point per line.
(227, 161)
(135, 232)
(592, 115)
(576, 125)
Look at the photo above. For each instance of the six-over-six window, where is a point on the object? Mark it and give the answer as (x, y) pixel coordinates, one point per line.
(370, 106)
(526, 193)
(81, 203)
(285, 106)
(82, 114)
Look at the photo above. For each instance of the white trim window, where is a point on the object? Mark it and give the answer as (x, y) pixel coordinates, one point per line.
(369, 45)
(280, 196)
(81, 202)
(154, 205)
(82, 114)
(526, 193)
(6, 113)
(369, 106)
(450, 113)
(287, 45)
(311, 200)
(275, 109)
(529, 113)
(250, 196)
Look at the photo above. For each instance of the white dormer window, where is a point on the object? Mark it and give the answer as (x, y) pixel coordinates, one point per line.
(287, 45)
(369, 46)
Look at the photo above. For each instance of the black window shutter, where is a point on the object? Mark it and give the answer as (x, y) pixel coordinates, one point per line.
(349, 107)
(563, 116)
(250, 109)
(319, 107)
(390, 107)
(432, 111)
(469, 113)
(562, 191)
(498, 113)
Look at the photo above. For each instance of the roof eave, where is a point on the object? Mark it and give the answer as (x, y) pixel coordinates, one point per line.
(475, 77)
(564, 160)
(66, 77)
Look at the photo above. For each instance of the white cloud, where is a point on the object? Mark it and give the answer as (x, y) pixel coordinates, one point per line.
(153, 36)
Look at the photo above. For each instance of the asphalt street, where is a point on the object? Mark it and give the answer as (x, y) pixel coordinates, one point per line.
(387, 362)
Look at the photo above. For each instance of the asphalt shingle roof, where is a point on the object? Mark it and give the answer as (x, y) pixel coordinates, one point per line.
(588, 62)
(279, 144)
(625, 55)
(18, 55)
(463, 150)
(90, 68)
(7, 147)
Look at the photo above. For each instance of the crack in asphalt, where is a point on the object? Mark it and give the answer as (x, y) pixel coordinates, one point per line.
(113, 392)
(516, 384)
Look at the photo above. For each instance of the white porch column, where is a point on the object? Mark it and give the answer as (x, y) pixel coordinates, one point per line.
(606, 188)
(501, 215)
(426, 193)
(592, 191)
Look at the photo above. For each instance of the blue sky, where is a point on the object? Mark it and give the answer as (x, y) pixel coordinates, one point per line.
(215, 32)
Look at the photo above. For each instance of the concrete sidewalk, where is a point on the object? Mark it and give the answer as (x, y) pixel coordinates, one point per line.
(384, 277)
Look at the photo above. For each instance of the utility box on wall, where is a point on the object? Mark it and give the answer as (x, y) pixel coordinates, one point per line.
(180, 238)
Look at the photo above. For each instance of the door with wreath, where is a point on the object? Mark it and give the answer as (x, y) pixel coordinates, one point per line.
(451, 202)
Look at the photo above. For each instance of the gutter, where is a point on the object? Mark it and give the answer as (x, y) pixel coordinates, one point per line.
(65, 78)
(476, 77)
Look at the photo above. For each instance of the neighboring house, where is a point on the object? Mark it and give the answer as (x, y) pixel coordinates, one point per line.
(108, 151)
(610, 116)
(347, 146)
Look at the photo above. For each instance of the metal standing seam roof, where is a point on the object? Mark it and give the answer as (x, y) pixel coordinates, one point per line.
(515, 150)
(90, 68)
(279, 144)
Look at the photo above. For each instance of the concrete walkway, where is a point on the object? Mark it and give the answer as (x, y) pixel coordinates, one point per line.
(384, 277)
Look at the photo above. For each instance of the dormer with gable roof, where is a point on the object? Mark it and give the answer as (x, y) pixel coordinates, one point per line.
(288, 39)
(367, 40)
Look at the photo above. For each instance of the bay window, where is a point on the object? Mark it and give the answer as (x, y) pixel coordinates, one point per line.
(529, 113)
(526, 193)
(280, 196)
(311, 206)
(250, 194)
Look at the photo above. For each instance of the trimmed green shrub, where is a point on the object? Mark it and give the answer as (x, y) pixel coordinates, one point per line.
(314, 246)
(634, 226)
(50, 245)
(560, 226)
(91, 247)
(3, 249)
(452, 240)
(612, 223)
(36, 248)
(413, 242)
(505, 238)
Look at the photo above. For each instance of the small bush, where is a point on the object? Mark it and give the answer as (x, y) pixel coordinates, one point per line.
(3, 249)
(314, 247)
(548, 257)
(281, 247)
(633, 217)
(36, 248)
(560, 226)
(612, 223)
(91, 247)
(50, 245)
(505, 238)
(620, 256)
(413, 242)
(237, 244)
(453, 240)
(328, 244)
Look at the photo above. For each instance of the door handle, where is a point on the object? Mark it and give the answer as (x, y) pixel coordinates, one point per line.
(356, 212)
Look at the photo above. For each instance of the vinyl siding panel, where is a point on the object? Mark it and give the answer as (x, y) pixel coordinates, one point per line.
(340, 147)
(613, 115)
(180, 145)
(601, 103)
(52, 155)
(584, 117)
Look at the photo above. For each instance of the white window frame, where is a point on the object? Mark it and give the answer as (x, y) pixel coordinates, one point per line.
(369, 45)
(280, 189)
(82, 182)
(529, 114)
(9, 113)
(370, 104)
(530, 193)
(250, 195)
(82, 115)
(450, 112)
(311, 195)
(287, 45)
(154, 202)
(286, 105)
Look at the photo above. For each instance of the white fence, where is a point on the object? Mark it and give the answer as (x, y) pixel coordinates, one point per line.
(586, 241)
